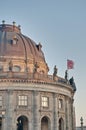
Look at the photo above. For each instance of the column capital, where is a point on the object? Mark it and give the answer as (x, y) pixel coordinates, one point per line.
(35, 92)
(55, 95)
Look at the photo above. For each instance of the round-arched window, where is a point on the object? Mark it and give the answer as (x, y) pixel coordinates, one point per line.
(16, 68)
(42, 72)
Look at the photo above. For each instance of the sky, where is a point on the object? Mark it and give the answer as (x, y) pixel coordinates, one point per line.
(60, 26)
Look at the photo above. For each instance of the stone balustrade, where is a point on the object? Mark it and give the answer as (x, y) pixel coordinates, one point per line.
(31, 76)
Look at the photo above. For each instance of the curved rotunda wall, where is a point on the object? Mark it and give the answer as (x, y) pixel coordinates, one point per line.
(20, 49)
(34, 101)
(58, 105)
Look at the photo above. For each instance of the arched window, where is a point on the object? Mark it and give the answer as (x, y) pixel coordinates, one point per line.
(45, 123)
(0, 123)
(22, 123)
(16, 68)
(61, 124)
(42, 72)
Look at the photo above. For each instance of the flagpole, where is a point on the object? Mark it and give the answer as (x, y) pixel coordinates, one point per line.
(67, 71)
(67, 74)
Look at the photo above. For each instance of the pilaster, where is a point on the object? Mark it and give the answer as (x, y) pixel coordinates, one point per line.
(55, 110)
(35, 110)
(9, 112)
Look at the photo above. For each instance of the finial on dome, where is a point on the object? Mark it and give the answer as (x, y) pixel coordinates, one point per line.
(19, 27)
(14, 23)
(40, 44)
(3, 21)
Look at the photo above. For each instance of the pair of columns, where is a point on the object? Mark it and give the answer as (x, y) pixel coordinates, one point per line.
(36, 118)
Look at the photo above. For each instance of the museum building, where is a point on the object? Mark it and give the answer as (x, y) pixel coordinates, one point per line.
(30, 98)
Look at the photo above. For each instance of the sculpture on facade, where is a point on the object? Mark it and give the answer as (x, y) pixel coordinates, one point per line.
(55, 71)
(66, 75)
(10, 66)
(35, 67)
(72, 83)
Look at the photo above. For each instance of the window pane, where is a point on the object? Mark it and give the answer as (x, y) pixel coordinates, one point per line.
(22, 101)
(45, 101)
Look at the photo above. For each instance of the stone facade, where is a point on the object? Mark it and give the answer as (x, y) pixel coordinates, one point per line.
(58, 112)
(79, 128)
(30, 99)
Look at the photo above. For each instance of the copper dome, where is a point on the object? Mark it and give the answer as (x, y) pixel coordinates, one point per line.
(13, 44)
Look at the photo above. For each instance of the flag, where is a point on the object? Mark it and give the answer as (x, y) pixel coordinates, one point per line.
(70, 64)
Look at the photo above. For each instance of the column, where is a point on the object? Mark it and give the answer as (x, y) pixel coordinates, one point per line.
(72, 122)
(55, 114)
(72, 115)
(35, 110)
(3, 120)
(67, 114)
(30, 123)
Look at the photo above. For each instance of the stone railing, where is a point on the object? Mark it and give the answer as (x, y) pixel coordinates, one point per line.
(32, 76)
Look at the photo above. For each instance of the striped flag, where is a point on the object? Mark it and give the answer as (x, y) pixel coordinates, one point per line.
(70, 64)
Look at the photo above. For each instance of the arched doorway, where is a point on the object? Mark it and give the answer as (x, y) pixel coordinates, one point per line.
(45, 123)
(61, 124)
(22, 123)
(0, 123)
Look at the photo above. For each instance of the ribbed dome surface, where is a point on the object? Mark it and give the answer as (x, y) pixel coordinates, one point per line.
(20, 50)
(14, 43)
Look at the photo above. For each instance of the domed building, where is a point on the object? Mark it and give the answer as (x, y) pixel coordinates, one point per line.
(30, 98)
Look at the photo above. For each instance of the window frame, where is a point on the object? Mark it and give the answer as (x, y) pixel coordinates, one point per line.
(45, 101)
(22, 100)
